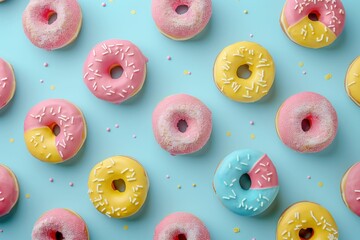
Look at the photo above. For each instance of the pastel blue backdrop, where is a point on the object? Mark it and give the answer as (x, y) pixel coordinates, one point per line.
(228, 24)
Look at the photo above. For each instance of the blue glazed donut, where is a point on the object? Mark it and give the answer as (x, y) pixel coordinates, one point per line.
(246, 182)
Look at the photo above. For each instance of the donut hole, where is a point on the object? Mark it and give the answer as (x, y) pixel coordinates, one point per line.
(119, 185)
(51, 17)
(116, 71)
(306, 124)
(243, 71)
(59, 236)
(182, 125)
(180, 237)
(314, 16)
(182, 9)
(306, 233)
(55, 129)
(245, 181)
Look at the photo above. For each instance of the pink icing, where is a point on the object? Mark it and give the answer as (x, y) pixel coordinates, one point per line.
(318, 111)
(9, 190)
(102, 58)
(166, 117)
(7, 83)
(330, 12)
(181, 26)
(263, 174)
(352, 189)
(67, 116)
(58, 34)
(180, 223)
(70, 225)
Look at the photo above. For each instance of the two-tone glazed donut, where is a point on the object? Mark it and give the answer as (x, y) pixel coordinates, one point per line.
(7, 83)
(350, 188)
(9, 190)
(246, 182)
(352, 81)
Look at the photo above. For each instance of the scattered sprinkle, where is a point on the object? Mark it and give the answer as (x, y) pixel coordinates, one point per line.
(252, 136)
(133, 136)
(41, 81)
(308, 177)
(12, 140)
(320, 184)
(328, 76)
(246, 11)
(251, 35)
(253, 238)
(167, 176)
(133, 12)
(168, 58)
(228, 133)
(194, 185)
(179, 186)
(116, 125)
(1, 230)
(103, 4)
(52, 87)
(126, 227)
(27, 195)
(301, 64)
(71, 184)
(108, 129)
(46, 64)
(187, 72)
(236, 230)
(304, 72)
(51, 180)
(252, 122)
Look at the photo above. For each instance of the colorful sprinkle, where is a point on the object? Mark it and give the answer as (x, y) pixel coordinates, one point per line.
(252, 136)
(27, 195)
(194, 185)
(168, 58)
(51, 180)
(71, 184)
(126, 227)
(12, 140)
(236, 230)
(116, 126)
(304, 72)
(133, 12)
(103, 4)
(252, 122)
(186, 72)
(133, 136)
(108, 129)
(308, 177)
(328, 76)
(228, 134)
(320, 184)
(179, 186)
(301, 64)
(251, 35)
(167, 176)
(52, 87)
(41, 81)
(46, 64)
(246, 11)
(1, 231)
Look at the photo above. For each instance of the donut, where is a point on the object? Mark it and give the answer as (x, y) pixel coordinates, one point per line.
(246, 182)
(9, 190)
(238, 87)
(54, 130)
(350, 188)
(181, 19)
(307, 122)
(118, 186)
(181, 226)
(306, 220)
(181, 124)
(7, 83)
(60, 223)
(352, 83)
(107, 56)
(52, 24)
(313, 23)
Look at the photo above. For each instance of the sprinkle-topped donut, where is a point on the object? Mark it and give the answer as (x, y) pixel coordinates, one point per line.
(41, 126)
(239, 88)
(350, 188)
(118, 186)
(246, 182)
(105, 57)
(7, 83)
(9, 190)
(313, 23)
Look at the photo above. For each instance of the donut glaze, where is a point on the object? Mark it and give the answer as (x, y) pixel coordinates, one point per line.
(260, 64)
(61, 32)
(303, 216)
(60, 223)
(352, 82)
(263, 178)
(181, 225)
(7, 83)
(103, 58)
(310, 109)
(105, 195)
(167, 116)
(327, 24)
(181, 26)
(9, 190)
(39, 134)
(350, 188)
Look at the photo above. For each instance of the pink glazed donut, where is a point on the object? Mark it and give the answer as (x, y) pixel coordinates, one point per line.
(9, 190)
(106, 56)
(181, 226)
(179, 26)
(350, 188)
(182, 124)
(52, 35)
(307, 122)
(7, 83)
(60, 223)
(54, 130)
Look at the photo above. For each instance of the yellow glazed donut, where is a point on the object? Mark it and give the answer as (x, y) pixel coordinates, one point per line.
(352, 81)
(306, 220)
(239, 55)
(118, 186)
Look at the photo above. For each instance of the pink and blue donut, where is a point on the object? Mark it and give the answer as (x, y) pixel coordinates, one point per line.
(246, 182)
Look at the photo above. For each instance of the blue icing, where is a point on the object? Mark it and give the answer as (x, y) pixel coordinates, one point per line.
(226, 182)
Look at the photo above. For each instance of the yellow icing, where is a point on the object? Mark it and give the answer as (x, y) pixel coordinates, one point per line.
(352, 81)
(260, 65)
(305, 215)
(311, 34)
(111, 202)
(41, 144)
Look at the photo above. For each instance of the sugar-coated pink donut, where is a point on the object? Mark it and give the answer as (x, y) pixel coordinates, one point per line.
(181, 26)
(181, 109)
(40, 126)
(58, 34)
(307, 122)
(103, 58)
(60, 223)
(9, 190)
(7, 83)
(181, 226)
(350, 188)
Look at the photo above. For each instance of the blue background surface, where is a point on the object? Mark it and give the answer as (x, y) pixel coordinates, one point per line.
(229, 24)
